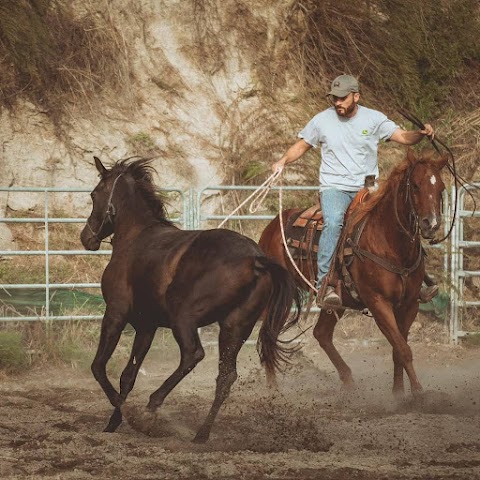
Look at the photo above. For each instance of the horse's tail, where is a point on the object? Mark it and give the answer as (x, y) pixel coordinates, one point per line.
(278, 317)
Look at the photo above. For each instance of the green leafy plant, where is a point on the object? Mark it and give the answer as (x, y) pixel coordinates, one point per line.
(143, 144)
(13, 352)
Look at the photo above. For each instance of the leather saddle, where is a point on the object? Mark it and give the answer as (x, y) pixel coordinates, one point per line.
(303, 232)
(304, 228)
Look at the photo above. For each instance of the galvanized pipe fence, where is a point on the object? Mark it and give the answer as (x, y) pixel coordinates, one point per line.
(464, 319)
(199, 210)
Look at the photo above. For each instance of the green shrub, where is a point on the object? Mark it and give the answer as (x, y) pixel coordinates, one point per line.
(13, 353)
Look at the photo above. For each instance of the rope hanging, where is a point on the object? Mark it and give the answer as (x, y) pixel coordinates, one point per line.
(257, 198)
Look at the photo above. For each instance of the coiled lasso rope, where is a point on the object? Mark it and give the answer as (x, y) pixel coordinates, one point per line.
(257, 198)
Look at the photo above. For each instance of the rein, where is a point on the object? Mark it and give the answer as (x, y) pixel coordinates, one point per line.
(452, 169)
(408, 197)
(109, 213)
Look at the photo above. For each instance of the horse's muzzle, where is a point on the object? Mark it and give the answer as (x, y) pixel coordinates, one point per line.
(429, 227)
(89, 241)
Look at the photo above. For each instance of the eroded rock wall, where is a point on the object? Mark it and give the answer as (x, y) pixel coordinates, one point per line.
(193, 88)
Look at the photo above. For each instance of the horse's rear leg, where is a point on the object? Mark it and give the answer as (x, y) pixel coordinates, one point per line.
(232, 336)
(323, 332)
(141, 345)
(191, 353)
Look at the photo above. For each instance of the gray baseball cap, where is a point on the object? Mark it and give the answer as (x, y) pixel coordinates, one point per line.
(343, 85)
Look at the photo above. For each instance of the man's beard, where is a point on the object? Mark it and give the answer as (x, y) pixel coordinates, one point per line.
(342, 112)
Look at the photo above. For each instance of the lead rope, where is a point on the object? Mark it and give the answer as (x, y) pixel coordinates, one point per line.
(280, 219)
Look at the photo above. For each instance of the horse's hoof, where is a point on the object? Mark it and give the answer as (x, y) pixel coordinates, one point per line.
(201, 438)
(348, 387)
(114, 422)
(110, 428)
(399, 395)
(146, 421)
(431, 401)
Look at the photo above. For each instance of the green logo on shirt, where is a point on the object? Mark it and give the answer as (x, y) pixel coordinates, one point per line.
(364, 132)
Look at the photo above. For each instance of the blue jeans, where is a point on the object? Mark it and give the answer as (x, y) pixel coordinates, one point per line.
(334, 204)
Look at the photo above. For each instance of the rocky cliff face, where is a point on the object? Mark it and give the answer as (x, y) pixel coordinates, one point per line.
(193, 101)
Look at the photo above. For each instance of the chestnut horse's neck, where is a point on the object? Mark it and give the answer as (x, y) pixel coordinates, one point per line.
(404, 210)
(395, 214)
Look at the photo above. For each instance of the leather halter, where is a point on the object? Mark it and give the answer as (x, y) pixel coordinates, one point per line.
(109, 213)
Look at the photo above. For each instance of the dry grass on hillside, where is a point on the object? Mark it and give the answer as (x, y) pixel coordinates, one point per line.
(54, 56)
(294, 58)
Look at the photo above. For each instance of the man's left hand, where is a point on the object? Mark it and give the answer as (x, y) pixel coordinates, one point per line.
(428, 131)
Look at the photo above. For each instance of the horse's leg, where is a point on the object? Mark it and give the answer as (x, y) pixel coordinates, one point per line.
(191, 353)
(323, 332)
(405, 317)
(141, 345)
(233, 334)
(386, 321)
(112, 327)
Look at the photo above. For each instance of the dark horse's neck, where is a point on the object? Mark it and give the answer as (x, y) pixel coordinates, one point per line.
(135, 212)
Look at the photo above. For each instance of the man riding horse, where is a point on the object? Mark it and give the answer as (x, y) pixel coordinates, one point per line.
(348, 134)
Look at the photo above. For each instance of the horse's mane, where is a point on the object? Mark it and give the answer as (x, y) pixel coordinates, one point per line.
(142, 172)
(387, 187)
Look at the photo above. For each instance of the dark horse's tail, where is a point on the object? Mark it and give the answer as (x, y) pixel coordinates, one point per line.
(278, 317)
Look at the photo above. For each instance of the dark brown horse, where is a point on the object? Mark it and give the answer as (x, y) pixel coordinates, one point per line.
(161, 276)
(386, 262)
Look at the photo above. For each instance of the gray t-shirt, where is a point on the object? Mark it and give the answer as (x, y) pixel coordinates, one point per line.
(348, 145)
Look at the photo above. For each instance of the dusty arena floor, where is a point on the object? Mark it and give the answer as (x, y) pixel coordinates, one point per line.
(51, 422)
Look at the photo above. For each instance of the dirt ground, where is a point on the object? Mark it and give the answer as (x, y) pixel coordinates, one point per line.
(51, 421)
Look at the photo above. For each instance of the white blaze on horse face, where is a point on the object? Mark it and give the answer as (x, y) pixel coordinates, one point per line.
(434, 221)
(433, 180)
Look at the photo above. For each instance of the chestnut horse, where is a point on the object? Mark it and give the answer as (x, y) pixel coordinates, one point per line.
(387, 265)
(161, 276)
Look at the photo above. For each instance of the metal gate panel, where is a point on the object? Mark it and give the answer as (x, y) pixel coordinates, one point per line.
(458, 273)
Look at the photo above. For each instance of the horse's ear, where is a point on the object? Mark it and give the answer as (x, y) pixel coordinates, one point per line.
(411, 156)
(101, 169)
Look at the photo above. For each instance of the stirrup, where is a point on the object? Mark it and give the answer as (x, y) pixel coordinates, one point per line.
(330, 299)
